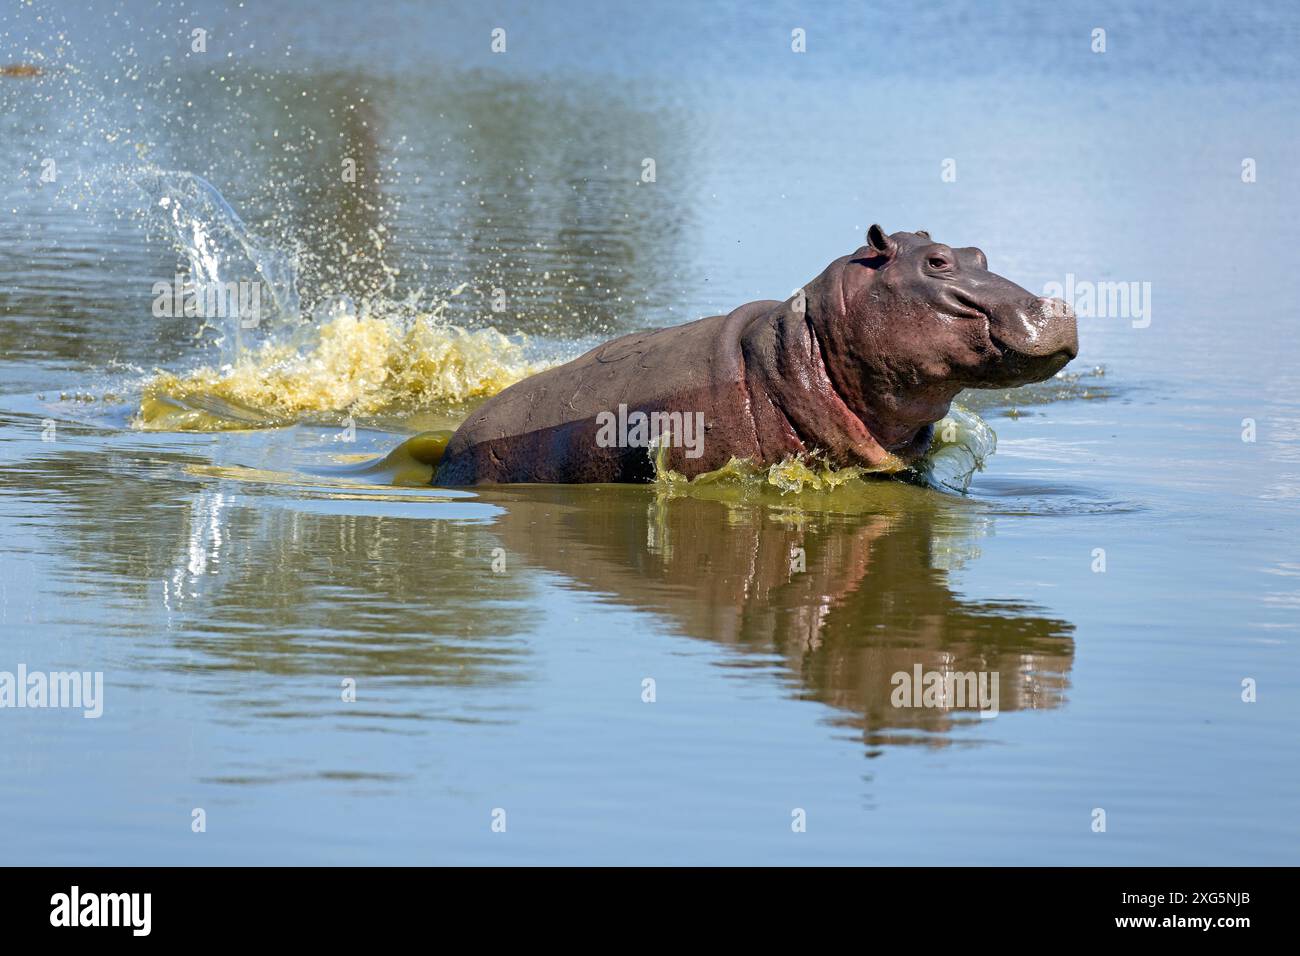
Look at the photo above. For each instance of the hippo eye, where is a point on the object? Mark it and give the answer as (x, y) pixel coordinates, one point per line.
(938, 262)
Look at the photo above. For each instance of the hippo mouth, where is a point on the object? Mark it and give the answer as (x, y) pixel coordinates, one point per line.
(1008, 364)
(1017, 366)
(1034, 342)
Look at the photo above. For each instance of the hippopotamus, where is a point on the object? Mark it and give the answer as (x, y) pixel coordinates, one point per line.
(855, 367)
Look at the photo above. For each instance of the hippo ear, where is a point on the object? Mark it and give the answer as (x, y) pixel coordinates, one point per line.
(880, 244)
(923, 234)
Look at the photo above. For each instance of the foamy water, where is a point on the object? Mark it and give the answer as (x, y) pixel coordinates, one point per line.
(348, 366)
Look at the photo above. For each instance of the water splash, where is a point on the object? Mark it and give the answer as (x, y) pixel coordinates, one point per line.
(382, 356)
(962, 442)
(367, 364)
(792, 475)
(220, 250)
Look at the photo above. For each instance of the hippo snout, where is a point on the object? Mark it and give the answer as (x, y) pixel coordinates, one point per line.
(1050, 328)
(1038, 338)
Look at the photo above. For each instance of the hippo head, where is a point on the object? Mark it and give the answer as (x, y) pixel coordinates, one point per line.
(905, 323)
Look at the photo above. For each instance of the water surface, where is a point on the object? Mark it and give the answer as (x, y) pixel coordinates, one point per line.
(230, 561)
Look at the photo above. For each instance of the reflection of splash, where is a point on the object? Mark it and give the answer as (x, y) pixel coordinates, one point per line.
(355, 364)
(399, 590)
(203, 545)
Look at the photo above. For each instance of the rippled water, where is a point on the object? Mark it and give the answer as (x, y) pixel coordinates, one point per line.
(204, 512)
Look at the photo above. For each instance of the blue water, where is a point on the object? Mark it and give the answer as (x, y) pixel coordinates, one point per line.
(225, 610)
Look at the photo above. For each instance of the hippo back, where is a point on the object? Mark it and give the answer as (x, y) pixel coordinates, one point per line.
(545, 427)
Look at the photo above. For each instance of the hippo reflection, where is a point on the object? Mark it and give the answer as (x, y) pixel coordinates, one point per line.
(848, 589)
(848, 595)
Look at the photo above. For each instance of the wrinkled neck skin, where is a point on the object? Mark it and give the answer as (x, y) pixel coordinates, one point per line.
(835, 389)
